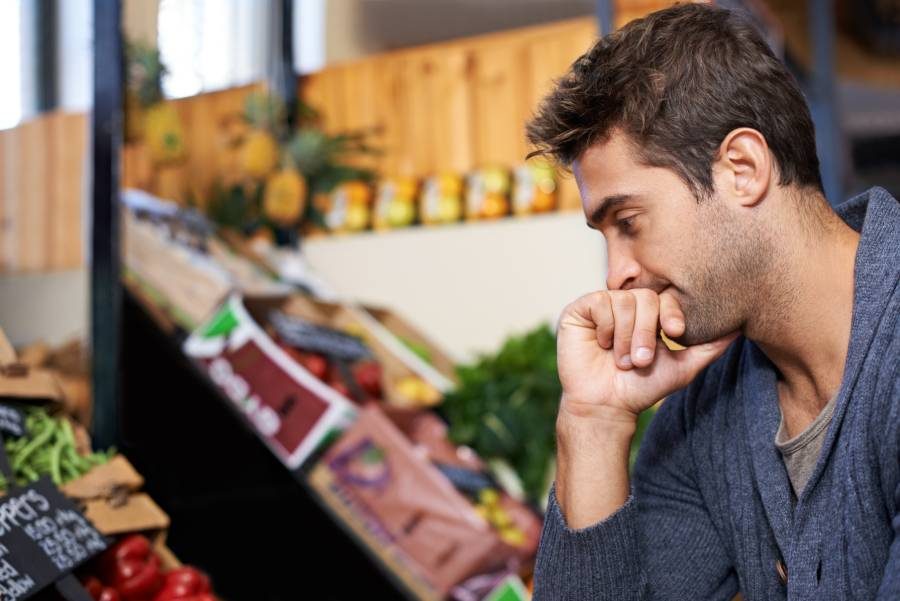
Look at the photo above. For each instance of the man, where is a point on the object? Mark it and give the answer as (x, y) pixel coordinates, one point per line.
(773, 467)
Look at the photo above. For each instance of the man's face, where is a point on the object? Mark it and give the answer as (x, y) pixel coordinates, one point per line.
(660, 237)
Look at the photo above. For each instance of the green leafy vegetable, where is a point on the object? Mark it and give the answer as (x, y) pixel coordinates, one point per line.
(505, 407)
(48, 448)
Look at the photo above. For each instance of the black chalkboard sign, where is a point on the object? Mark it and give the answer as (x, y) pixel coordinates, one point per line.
(314, 338)
(43, 537)
(12, 421)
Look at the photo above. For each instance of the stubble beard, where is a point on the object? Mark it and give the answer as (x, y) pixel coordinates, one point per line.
(729, 279)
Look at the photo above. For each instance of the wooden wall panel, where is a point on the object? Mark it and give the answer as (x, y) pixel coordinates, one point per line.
(69, 186)
(451, 106)
(7, 218)
(32, 217)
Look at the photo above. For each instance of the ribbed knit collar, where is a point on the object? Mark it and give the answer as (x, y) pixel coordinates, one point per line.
(876, 215)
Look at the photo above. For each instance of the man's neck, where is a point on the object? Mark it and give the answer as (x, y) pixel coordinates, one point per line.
(805, 330)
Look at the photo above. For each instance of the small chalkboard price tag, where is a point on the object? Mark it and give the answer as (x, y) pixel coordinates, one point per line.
(318, 339)
(43, 537)
(12, 421)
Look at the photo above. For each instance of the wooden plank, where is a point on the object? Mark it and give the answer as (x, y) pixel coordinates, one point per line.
(69, 147)
(7, 211)
(451, 97)
(500, 104)
(391, 107)
(30, 196)
(417, 152)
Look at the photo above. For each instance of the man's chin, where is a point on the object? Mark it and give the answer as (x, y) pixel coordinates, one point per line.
(695, 337)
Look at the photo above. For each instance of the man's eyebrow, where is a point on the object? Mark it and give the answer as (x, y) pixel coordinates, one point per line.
(606, 205)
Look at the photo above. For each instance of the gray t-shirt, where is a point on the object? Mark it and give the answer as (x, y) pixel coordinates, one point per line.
(801, 452)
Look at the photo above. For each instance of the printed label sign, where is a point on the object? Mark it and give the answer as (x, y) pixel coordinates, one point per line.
(289, 407)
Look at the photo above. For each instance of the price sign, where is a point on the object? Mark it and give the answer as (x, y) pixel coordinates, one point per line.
(290, 409)
(43, 537)
(12, 421)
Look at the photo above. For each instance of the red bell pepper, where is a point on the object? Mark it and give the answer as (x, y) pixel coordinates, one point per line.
(93, 586)
(132, 569)
(139, 580)
(109, 594)
(317, 365)
(183, 583)
(368, 376)
(133, 547)
(190, 576)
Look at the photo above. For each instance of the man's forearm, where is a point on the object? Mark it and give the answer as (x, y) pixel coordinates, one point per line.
(592, 465)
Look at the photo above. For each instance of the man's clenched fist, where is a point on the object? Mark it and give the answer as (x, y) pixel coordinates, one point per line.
(612, 365)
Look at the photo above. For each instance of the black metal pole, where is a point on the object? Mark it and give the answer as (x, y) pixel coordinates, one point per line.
(824, 102)
(106, 294)
(46, 43)
(605, 14)
(287, 83)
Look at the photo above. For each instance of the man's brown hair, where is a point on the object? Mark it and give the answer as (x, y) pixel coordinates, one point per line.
(676, 83)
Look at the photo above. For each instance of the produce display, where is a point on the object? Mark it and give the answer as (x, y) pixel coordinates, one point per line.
(348, 208)
(275, 178)
(505, 408)
(534, 187)
(49, 448)
(444, 522)
(147, 116)
(442, 199)
(487, 193)
(395, 203)
(131, 570)
(348, 395)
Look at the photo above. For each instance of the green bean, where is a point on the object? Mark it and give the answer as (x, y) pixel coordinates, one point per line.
(55, 457)
(67, 435)
(79, 462)
(71, 472)
(36, 443)
(49, 447)
(30, 474)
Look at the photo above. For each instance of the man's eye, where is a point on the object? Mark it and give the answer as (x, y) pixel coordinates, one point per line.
(626, 224)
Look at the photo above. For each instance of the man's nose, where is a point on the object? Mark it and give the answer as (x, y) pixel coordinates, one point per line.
(623, 271)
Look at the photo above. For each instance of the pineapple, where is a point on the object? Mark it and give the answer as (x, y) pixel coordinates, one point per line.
(259, 154)
(285, 197)
(163, 134)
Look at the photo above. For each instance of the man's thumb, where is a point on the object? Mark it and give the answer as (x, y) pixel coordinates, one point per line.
(694, 358)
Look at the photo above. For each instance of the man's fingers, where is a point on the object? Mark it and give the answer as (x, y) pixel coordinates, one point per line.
(671, 318)
(646, 325)
(592, 315)
(601, 310)
(697, 357)
(623, 308)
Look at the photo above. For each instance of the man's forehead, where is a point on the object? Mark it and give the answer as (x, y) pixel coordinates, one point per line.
(606, 176)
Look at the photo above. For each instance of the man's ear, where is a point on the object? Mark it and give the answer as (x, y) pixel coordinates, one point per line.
(743, 168)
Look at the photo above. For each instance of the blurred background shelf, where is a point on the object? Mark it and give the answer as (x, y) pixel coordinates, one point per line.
(529, 267)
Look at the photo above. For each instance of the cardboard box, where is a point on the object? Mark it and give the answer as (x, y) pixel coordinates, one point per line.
(132, 513)
(380, 479)
(388, 336)
(110, 496)
(105, 481)
(185, 283)
(291, 410)
(21, 382)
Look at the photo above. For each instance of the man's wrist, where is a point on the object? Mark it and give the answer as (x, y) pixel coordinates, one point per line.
(599, 419)
(592, 461)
